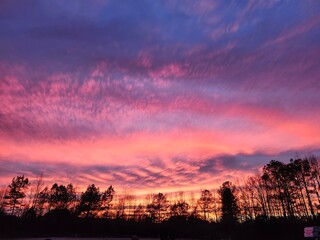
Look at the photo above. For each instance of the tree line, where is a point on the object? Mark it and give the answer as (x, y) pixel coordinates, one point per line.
(289, 190)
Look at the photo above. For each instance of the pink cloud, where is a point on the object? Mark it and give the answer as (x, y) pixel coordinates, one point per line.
(296, 30)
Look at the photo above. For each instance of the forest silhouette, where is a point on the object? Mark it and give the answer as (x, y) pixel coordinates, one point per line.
(274, 204)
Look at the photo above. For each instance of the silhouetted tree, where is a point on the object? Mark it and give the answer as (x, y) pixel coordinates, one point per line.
(255, 203)
(2, 201)
(205, 203)
(139, 213)
(16, 194)
(29, 213)
(301, 174)
(36, 187)
(290, 184)
(277, 180)
(315, 175)
(124, 205)
(229, 208)
(158, 207)
(120, 206)
(106, 200)
(180, 209)
(60, 196)
(42, 200)
(90, 202)
(247, 201)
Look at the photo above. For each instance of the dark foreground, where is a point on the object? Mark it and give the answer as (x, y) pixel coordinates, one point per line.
(65, 225)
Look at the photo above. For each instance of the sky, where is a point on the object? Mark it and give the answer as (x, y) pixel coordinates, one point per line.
(172, 95)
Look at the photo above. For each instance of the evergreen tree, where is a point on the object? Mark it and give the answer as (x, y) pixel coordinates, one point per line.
(107, 198)
(61, 196)
(90, 202)
(229, 209)
(16, 193)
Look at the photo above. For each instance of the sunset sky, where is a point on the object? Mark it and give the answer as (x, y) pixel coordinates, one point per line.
(156, 95)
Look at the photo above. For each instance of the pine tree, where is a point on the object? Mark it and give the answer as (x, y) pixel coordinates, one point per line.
(229, 209)
(16, 193)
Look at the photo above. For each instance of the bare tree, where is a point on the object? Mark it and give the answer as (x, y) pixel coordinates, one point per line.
(139, 213)
(205, 203)
(158, 208)
(180, 209)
